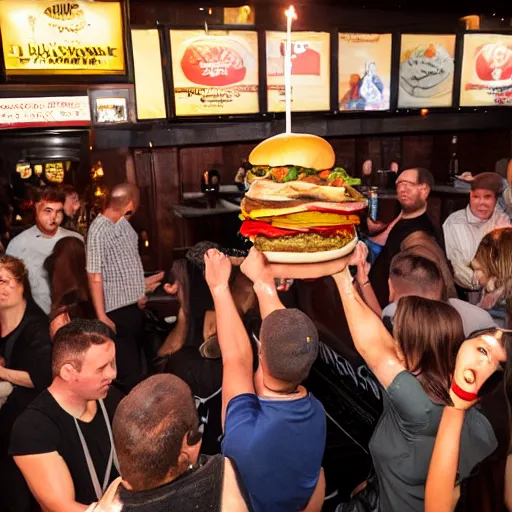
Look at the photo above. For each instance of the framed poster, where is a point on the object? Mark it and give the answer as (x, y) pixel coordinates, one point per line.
(311, 77)
(43, 37)
(426, 71)
(486, 71)
(364, 63)
(215, 74)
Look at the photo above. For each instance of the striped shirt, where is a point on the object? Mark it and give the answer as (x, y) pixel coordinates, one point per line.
(113, 252)
(462, 235)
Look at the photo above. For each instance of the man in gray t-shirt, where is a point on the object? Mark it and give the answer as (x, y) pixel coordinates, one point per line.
(35, 244)
(411, 274)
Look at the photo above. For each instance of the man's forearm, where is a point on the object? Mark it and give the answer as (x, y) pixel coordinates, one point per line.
(96, 288)
(268, 298)
(233, 340)
(16, 377)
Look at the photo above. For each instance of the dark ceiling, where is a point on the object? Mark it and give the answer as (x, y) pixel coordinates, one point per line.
(500, 8)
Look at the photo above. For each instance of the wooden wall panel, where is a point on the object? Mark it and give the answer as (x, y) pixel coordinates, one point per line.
(345, 150)
(194, 161)
(417, 151)
(233, 154)
(168, 193)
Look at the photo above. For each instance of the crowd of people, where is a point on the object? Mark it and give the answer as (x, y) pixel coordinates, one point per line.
(89, 422)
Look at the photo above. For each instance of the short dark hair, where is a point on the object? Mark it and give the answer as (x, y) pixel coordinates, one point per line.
(68, 190)
(149, 427)
(425, 177)
(411, 274)
(289, 343)
(73, 340)
(49, 194)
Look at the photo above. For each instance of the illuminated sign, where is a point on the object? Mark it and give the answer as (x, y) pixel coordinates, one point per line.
(364, 71)
(486, 71)
(33, 112)
(427, 69)
(78, 37)
(215, 73)
(310, 71)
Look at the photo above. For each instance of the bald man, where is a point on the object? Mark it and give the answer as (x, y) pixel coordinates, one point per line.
(116, 279)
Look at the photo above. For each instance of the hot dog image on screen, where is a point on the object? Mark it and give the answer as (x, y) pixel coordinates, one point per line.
(299, 208)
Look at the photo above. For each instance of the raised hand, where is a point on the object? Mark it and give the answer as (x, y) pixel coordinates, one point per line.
(217, 269)
(256, 267)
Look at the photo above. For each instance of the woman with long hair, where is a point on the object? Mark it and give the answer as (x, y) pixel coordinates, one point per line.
(493, 267)
(473, 369)
(25, 365)
(414, 367)
(68, 283)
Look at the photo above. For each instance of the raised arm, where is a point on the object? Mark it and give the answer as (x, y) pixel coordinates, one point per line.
(258, 270)
(469, 376)
(442, 474)
(370, 336)
(237, 355)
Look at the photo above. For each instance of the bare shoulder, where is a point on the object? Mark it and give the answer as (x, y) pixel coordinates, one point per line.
(232, 500)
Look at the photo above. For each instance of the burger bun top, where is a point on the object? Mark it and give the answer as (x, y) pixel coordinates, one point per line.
(299, 149)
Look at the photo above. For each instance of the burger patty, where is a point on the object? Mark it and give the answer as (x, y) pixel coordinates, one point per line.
(302, 242)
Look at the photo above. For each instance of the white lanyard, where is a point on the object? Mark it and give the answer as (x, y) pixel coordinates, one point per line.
(112, 457)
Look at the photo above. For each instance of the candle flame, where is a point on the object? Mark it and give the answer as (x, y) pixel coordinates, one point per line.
(290, 13)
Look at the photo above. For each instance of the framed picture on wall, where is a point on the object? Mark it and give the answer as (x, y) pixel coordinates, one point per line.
(364, 70)
(112, 106)
(215, 73)
(486, 78)
(427, 69)
(311, 74)
(41, 37)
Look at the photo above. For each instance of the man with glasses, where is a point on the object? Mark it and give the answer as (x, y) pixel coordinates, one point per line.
(412, 228)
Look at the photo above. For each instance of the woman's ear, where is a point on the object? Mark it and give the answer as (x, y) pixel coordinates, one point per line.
(491, 284)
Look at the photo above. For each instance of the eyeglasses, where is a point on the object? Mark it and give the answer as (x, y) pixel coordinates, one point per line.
(7, 282)
(407, 184)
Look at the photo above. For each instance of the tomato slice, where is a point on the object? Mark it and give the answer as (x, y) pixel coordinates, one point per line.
(324, 174)
(338, 182)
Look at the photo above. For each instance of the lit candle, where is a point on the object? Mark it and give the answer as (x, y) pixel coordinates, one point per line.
(290, 16)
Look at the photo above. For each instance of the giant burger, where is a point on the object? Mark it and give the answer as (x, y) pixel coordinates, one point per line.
(298, 208)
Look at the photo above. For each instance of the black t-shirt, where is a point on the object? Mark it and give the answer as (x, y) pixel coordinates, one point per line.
(379, 272)
(31, 353)
(45, 427)
(405, 227)
(198, 490)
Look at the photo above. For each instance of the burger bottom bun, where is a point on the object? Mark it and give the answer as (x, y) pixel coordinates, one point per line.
(311, 257)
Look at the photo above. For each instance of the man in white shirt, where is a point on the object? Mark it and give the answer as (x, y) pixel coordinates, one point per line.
(411, 274)
(35, 244)
(464, 229)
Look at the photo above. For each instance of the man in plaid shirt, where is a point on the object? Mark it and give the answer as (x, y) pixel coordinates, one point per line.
(116, 279)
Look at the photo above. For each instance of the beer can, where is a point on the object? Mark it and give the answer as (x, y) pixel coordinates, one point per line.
(373, 203)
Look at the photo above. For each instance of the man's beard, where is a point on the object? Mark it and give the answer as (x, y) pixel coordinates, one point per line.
(418, 205)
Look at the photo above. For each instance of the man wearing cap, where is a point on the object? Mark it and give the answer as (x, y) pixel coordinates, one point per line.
(464, 229)
(274, 430)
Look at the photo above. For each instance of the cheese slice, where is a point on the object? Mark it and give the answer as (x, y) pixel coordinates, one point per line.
(311, 219)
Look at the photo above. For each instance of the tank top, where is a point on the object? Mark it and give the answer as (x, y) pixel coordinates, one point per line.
(197, 490)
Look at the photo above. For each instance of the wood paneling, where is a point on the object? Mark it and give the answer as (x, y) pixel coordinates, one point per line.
(417, 151)
(194, 161)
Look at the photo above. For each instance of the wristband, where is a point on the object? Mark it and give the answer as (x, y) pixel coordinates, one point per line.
(365, 284)
(463, 395)
(219, 289)
(264, 287)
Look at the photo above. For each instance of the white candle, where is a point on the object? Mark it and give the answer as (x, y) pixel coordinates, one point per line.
(290, 16)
